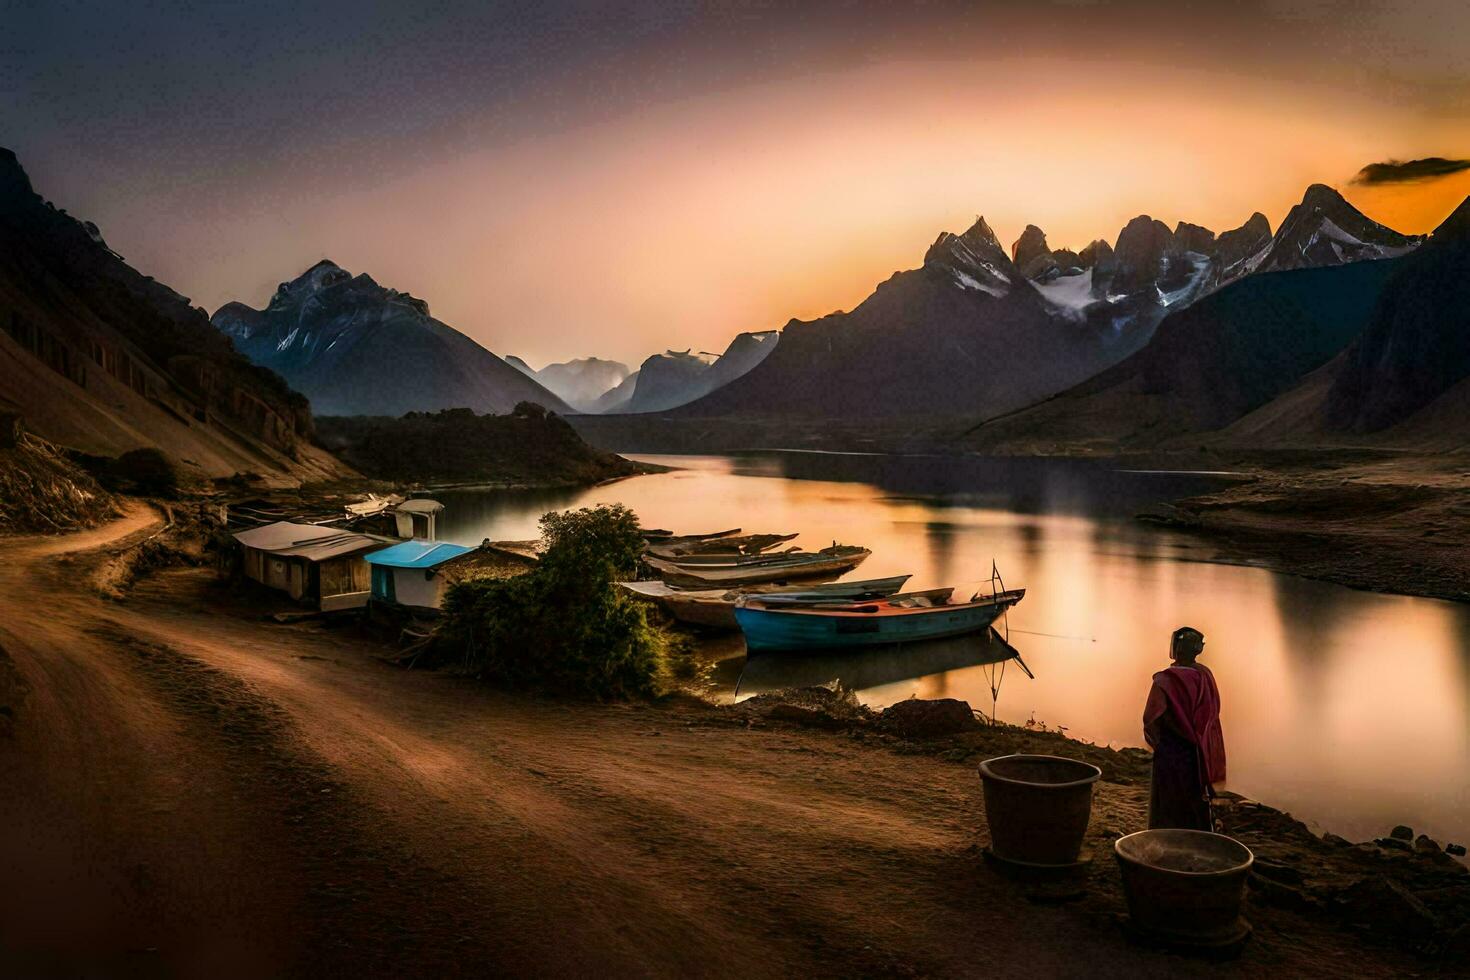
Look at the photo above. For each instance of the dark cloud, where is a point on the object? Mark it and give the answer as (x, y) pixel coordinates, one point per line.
(1404, 171)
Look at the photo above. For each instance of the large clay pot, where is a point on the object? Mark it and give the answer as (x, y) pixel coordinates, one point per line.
(1185, 886)
(1037, 807)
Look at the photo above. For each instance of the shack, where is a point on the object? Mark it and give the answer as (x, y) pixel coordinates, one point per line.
(416, 574)
(318, 566)
(418, 518)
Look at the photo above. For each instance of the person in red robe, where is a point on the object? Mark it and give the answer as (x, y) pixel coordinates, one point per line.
(1181, 723)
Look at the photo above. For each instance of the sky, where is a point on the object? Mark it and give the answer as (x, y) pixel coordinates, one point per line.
(613, 179)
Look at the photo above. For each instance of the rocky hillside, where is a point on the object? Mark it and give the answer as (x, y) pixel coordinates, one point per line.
(966, 333)
(980, 331)
(1206, 366)
(1416, 348)
(527, 447)
(357, 348)
(1324, 229)
(100, 358)
(678, 377)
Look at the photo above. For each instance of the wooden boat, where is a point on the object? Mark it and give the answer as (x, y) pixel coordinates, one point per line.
(715, 608)
(670, 538)
(791, 568)
(731, 561)
(784, 626)
(742, 544)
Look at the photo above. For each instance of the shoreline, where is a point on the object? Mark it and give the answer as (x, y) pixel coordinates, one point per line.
(333, 769)
(1297, 512)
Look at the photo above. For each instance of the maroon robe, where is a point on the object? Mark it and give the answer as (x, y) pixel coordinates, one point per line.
(1181, 722)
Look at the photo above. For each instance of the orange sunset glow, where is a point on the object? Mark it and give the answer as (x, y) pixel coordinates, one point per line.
(703, 209)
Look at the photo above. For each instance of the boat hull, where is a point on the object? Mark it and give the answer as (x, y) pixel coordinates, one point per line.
(769, 630)
(715, 608)
(817, 566)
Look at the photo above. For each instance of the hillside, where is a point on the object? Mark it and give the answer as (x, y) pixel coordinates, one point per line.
(965, 333)
(357, 348)
(1417, 346)
(100, 358)
(527, 447)
(580, 382)
(1207, 365)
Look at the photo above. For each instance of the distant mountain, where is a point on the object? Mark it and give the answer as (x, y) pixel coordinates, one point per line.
(579, 383)
(1324, 229)
(618, 398)
(97, 357)
(666, 380)
(1207, 365)
(357, 348)
(965, 333)
(676, 378)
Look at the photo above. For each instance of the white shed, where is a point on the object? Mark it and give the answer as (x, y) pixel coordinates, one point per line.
(320, 566)
(418, 518)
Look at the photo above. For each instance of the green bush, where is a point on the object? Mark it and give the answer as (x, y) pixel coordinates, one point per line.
(565, 625)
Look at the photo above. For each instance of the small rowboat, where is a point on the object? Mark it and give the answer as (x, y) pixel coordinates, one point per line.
(669, 538)
(791, 567)
(716, 607)
(742, 544)
(897, 619)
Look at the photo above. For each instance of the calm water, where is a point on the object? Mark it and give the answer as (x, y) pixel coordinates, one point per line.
(1349, 709)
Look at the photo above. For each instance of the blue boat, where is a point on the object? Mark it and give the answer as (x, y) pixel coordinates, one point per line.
(776, 625)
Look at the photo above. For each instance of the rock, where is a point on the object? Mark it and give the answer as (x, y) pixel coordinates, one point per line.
(1277, 872)
(1336, 841)
(1455, 850)
(1424, 844)
(1385, 907)
(808, 717)
(1143, 246)
(1269, 892)
(1194, 238)
(916, 718)
(1031, 245)
(1402, 833)
(1393, 844)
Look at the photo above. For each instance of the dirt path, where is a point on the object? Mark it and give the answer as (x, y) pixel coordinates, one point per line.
(200, 792)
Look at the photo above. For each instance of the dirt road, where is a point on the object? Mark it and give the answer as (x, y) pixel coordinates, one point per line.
(192, 791)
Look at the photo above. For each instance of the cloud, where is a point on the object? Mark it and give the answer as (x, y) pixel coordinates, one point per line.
(1405, 171)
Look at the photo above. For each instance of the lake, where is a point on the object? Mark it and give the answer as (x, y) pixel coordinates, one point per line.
(1349, 709)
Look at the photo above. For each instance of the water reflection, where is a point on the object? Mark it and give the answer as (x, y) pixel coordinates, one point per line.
(867, 669)
(1347, 708)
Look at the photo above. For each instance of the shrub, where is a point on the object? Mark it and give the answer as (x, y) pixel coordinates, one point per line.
(147, 472)
(565, 625)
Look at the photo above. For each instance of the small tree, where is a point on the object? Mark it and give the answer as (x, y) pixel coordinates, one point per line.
(565, 625)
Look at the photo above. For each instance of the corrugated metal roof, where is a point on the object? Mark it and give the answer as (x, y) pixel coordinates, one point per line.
(307, 541)
(417, 554)
(420, 505)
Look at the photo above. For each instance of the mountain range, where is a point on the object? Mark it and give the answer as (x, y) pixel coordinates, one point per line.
(102, 359)
(1362, 353)
(580, 383)
(978, 330)
(357, 348)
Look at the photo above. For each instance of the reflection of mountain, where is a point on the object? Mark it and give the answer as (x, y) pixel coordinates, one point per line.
(1027, 485)
(862, 669)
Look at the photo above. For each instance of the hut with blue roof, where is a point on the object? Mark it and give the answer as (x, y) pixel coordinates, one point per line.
(415, 574)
